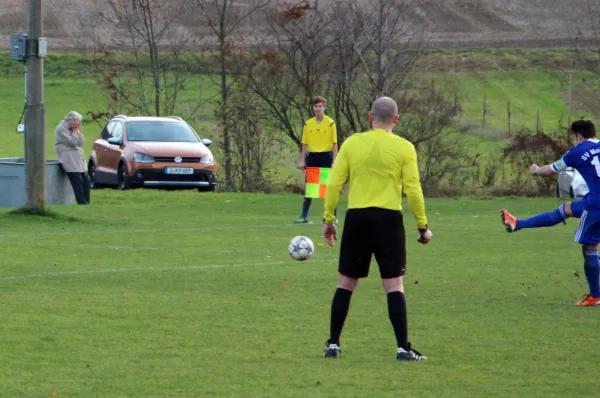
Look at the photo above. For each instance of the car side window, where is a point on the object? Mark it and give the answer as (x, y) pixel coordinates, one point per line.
(107, 130)
(117, 132)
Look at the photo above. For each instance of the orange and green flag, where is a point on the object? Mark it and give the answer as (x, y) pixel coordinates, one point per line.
(316, 181)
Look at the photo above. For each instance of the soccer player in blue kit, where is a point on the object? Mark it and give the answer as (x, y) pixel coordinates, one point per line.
(585, 158)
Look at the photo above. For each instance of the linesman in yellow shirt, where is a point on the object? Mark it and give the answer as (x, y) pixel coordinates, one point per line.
(378, 165)
(319, 146)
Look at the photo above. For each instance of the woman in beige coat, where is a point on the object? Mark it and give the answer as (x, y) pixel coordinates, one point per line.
(69, 143)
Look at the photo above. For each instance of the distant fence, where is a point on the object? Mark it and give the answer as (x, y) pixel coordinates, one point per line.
(507, 118)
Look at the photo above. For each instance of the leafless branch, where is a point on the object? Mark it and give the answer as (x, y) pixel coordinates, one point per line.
(154, 63)
(224, 18)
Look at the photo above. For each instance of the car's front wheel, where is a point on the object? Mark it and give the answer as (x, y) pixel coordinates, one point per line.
(124, 180)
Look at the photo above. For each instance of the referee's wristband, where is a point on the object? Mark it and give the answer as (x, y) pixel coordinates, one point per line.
(423, 230)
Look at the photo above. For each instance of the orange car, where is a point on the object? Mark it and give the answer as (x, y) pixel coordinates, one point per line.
(151, 152)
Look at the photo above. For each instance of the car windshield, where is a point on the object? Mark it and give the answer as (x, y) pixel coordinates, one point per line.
(160, 132)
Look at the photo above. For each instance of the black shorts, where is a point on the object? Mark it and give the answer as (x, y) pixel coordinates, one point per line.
(373, 231)
(319, 159)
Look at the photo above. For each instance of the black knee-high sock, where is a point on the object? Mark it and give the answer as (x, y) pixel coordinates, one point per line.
(306, 207)
(397, 312)
(339, 311)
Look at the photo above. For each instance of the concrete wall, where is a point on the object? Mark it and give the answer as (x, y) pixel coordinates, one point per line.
(12, 183)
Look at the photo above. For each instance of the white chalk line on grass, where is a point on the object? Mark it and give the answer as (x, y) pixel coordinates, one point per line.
(158, 229)
(109, 246)
(164, 230)
(144, 269)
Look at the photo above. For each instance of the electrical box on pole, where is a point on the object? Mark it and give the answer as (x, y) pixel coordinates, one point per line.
(18, 47)
(18, 52)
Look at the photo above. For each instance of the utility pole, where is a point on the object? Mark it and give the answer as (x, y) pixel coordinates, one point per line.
(35, 114)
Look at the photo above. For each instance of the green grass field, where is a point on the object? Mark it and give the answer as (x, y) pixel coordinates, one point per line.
(151, 293)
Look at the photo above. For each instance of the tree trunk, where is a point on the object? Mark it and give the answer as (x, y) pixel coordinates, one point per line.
(226, 140)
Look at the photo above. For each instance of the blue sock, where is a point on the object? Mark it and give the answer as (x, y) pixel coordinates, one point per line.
(592, 271)
(306, 207)
(548, 219)
(335, 212)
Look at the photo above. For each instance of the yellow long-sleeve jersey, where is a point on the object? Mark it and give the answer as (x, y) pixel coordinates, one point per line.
(378, 165)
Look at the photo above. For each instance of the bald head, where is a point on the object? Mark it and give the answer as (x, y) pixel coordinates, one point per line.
(384, 109)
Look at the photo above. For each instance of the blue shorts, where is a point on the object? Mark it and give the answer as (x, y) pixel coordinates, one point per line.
(588, 230)
(577, 208)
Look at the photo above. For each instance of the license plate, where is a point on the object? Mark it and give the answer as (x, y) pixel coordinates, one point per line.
(179, 170)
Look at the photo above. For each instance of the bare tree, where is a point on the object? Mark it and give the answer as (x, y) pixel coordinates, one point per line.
(352, 52)
(425, 117)
(445, 160)
(377, 43)
(254, 143)
(149, 30)
(390, 28)
(426, 121)
(349, 109)
(226, 20)
(267, 76)
(288, 67)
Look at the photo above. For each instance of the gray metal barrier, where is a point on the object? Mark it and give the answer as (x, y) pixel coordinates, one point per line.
(12, 183)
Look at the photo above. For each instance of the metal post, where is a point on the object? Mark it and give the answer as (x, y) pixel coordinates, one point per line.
(570, 91)
(508, 117)
(35, 115)
(484, 111)
(25, 118)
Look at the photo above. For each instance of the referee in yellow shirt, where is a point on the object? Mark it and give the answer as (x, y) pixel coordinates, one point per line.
(319, 146)
(378, 165)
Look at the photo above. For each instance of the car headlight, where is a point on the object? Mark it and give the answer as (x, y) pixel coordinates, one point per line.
(208, 159)
(143, 158)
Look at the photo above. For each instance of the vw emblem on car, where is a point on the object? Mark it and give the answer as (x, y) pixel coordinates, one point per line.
(178, 159)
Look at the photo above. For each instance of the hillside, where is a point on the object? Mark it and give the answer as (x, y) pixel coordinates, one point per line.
(449, 23)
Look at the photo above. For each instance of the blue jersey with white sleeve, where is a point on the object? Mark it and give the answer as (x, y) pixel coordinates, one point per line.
(585, 158)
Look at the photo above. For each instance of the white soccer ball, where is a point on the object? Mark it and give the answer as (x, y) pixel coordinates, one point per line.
(301, 248)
